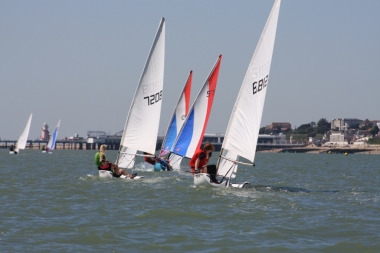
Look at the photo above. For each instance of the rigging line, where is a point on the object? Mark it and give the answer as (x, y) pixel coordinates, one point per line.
(143, 155)
(234, 161)
(233, 165)
(134, 157)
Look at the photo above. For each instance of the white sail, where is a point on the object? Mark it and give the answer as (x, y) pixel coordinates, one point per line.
(23, 138)
(53, 137)
(243, 128)
(141, 127)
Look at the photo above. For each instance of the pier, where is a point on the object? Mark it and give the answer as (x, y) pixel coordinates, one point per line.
(75, 144)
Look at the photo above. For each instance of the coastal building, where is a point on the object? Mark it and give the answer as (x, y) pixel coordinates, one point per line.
(337, 137)
(278, 126)
(271, 139)
(366, 123)
(45, 132)
(344, 123)
(213, 138)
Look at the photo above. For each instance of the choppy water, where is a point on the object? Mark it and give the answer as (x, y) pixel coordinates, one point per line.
(296, 203)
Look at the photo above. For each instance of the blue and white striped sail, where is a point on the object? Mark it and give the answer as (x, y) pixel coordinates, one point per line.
(53, 137)
(178, 118)
(176, 123)
(244, 125)
(191, 135)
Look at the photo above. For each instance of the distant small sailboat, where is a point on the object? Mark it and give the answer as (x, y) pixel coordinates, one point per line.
(141, 127)
(243, 128)
(53, 139)
(23, 138)
(191, 135)
(179, 115)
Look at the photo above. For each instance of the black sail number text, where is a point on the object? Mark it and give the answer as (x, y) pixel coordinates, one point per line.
(260, 85)
(152, 99)
(210, 92)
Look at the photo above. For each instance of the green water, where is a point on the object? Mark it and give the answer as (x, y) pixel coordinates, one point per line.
(295, 203)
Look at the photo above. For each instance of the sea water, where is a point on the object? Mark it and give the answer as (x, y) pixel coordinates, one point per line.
(295, 203)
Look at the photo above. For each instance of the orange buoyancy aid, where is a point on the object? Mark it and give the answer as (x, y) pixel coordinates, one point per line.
(196, 155)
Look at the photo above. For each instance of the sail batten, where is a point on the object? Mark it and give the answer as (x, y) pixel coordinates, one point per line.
(244, 124)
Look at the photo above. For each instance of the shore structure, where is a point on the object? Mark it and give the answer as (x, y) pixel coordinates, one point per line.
(352, 149)
(266, 143)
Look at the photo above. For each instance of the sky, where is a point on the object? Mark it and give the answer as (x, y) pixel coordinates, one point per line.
(80, 61)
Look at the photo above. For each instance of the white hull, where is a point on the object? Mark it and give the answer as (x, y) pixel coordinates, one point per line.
(12, 153)
(108, 174)
(203, 179)
(44, 152)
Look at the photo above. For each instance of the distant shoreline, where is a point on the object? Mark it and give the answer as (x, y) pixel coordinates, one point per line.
(312, 149)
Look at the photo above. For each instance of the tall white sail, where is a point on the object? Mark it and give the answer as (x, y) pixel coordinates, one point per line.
(243, 128)
(53, 137)
(23, 138)
(141, 127)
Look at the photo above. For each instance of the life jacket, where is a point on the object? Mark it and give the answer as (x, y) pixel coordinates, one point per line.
(202, 162)
(149, 160)
(105, 167)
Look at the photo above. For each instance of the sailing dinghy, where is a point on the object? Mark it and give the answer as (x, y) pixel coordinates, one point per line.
(179, 115)
(141, 127)
(22, 139)
(53, 138)
(191, 135)
(243, 128)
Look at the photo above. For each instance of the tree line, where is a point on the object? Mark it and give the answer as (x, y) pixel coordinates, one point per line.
(322, 127)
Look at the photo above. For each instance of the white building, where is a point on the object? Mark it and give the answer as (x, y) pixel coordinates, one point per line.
(337, 137)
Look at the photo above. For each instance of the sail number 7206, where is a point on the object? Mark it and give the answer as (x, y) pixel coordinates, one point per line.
(260, 85)
(152, 99)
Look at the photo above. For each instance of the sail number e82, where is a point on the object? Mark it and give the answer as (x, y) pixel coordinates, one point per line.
(260, 85)
(152, 99)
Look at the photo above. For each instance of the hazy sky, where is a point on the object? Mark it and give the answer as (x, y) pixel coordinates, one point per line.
(80, 61)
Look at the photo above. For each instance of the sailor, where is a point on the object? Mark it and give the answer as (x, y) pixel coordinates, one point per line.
(198, 163)
(12, 148)
(158, 163)
(103, 164)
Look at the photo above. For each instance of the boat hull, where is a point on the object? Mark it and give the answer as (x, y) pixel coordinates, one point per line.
(108, 174)
(203, 179)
